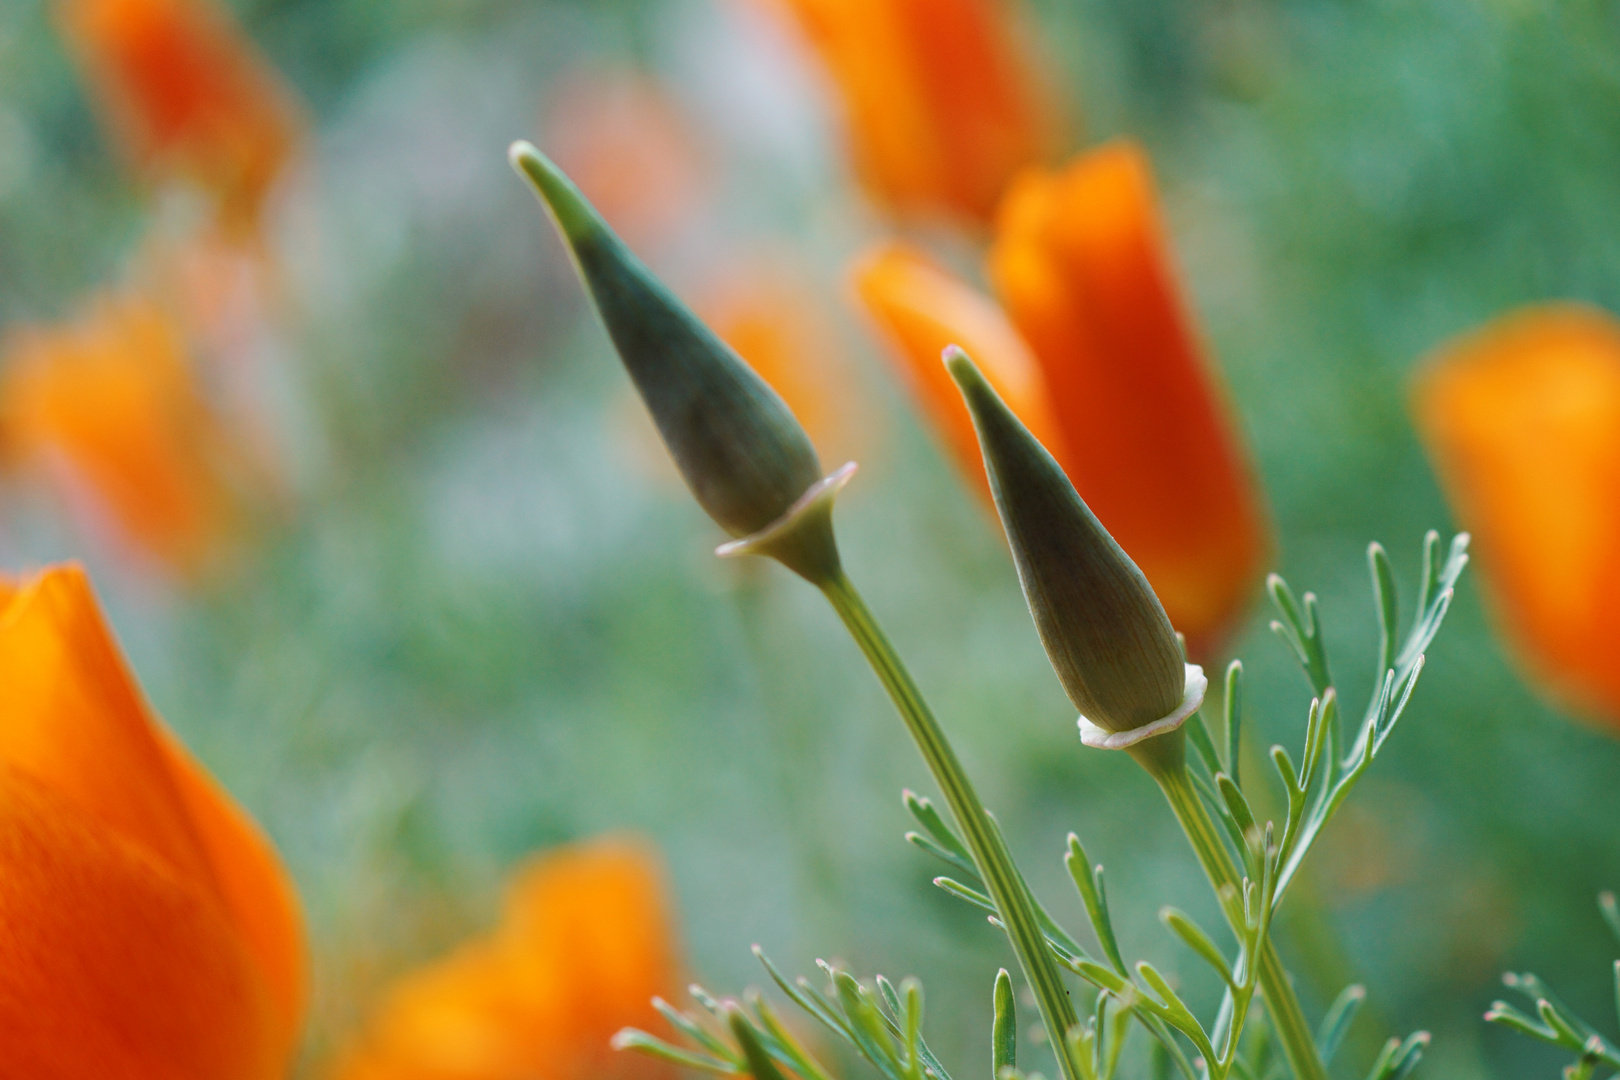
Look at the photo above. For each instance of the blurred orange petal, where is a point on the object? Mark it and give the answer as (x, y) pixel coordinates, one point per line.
(112, 397)
(939, 98)
(922, 309)
(626, 144)
(186, 94)
(1522, 422)
(1082, 265)
(146, 927)
(582, 947)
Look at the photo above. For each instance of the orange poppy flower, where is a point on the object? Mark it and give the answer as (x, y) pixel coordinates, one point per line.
(186, 94)
(582, 946)
(1522, 422)
(1122, 395)
(921, 310)
(146, 927)
(939, 101)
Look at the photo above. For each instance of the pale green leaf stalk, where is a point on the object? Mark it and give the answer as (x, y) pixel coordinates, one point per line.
(990, 855)
(1004, 1027)
(760, 1065)
(1555, 1022)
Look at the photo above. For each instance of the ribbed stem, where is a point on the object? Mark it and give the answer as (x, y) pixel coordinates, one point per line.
(1293, 1032)
(990, 852)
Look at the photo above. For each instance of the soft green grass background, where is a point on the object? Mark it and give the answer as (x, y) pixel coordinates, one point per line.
(488, 628)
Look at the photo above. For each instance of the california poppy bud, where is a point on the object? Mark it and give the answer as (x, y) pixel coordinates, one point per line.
(1104, 630)
(737, 444)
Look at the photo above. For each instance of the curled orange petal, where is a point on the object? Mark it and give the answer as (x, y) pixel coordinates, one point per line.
(921, 309)
(582, 946)
(938, 96)
(1081, 263)
(1522, 421)
(146, 926)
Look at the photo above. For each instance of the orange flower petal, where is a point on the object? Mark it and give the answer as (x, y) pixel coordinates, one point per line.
(186, 94)
(111, 397)
(939, 101)
(76, 726)
(1081, 263)
(111, 963)
(583, 945)
(253, 885)
(1522, 421)
(76, 723)
(922, 309)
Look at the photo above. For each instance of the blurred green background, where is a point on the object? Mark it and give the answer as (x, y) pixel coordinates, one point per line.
(491, 622)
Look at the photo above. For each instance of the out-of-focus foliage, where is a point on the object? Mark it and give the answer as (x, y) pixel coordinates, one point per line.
(478, 615)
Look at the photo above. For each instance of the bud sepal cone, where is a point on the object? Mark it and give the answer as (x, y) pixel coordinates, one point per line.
(1104, 630)
(738, 446)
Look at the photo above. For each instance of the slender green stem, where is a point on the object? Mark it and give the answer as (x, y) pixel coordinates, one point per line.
(1293, 1032)
(989, 850)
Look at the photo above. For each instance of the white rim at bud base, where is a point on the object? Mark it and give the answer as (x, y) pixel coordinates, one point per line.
(1191, 698)
(818, 496)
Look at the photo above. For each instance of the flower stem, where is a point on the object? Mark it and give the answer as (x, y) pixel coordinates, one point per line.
(1167, 765)
(990, 854)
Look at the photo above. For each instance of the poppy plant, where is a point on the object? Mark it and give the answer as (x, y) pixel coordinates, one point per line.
(1122, 394)
(1522, 421)
(109, 402)
(186, 94)
(1111, 643)
(939, 102)
(583, 944)
(146, 926)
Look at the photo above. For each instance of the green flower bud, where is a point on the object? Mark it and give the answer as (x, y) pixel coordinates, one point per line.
(737, 444)
(1104, 630)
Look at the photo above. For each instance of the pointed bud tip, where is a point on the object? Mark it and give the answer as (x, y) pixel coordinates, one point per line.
(520, 151)
(573, 214)
(963, 370)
